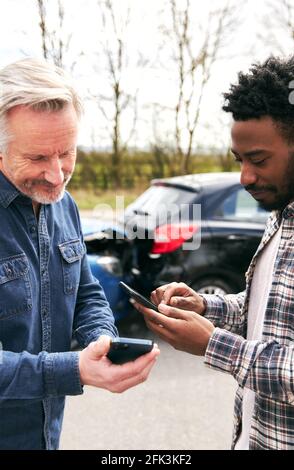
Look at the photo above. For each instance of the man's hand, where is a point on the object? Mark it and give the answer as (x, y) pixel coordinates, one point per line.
(178, 294)
(97, 370)
(184, 330)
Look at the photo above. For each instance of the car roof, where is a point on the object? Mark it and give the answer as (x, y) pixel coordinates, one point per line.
(195, 182)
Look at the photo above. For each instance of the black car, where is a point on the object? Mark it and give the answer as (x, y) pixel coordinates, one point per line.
(172, 241)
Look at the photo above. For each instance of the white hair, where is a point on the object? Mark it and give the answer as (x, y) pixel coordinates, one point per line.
(37, 84)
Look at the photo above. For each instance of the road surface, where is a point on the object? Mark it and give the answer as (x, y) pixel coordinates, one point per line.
(183, 405)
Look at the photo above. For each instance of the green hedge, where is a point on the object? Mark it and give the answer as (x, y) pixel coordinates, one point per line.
(94, 170)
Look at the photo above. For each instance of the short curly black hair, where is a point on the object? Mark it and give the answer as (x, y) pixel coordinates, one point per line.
(265, 91)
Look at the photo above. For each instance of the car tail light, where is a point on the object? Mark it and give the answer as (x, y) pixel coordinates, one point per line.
(169, 237)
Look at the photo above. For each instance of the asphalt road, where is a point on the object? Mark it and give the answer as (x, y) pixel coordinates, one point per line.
(183, 405)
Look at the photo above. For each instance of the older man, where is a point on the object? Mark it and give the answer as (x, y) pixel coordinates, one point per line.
(47, 292)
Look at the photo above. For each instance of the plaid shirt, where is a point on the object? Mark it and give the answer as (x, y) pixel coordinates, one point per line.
(266, 366)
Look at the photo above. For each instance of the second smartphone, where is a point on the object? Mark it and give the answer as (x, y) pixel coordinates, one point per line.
(138, 297)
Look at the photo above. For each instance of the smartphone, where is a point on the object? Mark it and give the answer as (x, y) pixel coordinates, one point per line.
(128, 349)
(138, 297)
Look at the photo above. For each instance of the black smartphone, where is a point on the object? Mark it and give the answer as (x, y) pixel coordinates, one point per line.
(138, 297)
(128, 349)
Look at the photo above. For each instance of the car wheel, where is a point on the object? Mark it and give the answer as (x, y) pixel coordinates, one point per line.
(212, 286)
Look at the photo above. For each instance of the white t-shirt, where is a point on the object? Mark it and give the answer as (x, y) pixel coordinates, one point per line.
(260, 287)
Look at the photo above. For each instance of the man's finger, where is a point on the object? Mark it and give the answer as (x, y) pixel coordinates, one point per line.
(134, 380)
(164, 333)
(100, 347)
(182, 302)
(153, 316)
(130, 370)
(175, 289)
(156, 295)
(173, 312)
(142, 309)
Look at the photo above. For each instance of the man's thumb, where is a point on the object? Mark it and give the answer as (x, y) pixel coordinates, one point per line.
(100, 347)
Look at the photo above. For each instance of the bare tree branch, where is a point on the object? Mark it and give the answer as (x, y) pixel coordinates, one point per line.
(43, 26)
(194, 64)
(121, 102)
(55, 41)
(279, 21)
(134, 122)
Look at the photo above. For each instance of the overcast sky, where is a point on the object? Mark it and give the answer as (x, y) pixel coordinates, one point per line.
(20, 36)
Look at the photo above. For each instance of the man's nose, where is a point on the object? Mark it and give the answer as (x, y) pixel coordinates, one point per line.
(54, 173)
(248, 174)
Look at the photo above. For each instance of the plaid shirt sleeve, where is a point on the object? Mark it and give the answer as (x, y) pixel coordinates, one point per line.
(225, 311)
(264, 367)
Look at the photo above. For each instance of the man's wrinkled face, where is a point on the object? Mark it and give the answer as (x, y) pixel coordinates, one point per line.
(267, 162)
(41, 154)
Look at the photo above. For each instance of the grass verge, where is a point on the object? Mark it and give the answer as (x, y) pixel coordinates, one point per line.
(89, 199)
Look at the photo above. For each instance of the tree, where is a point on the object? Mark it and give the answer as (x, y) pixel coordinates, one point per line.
(117, 104)
(196, 47)
(43, 27)
(278, 26)
(55, 40)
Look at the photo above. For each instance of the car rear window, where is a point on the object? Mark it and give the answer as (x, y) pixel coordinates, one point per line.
(152, 200)
(239, 205)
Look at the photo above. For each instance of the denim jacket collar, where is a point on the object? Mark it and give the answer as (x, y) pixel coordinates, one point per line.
(8, 193)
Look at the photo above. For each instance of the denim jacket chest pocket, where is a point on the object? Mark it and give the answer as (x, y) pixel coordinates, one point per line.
(15, 286)
(72, 253)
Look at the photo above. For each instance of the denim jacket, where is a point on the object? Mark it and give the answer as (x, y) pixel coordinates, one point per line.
(47, 293)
